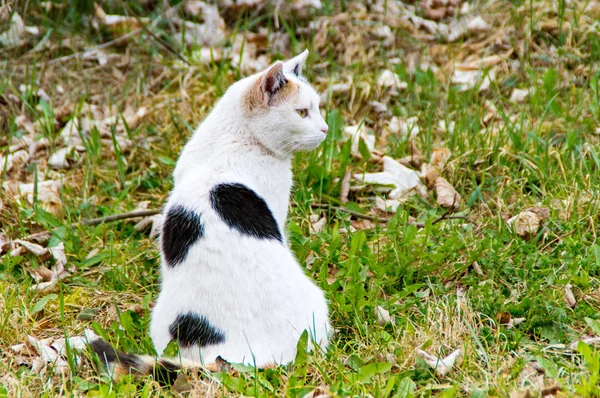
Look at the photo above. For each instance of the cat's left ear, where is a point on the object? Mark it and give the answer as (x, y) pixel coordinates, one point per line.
(296, 64)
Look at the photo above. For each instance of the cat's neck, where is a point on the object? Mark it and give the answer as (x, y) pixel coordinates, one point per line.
(223, 149)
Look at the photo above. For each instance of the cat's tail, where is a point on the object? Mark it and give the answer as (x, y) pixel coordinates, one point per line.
(164, 370)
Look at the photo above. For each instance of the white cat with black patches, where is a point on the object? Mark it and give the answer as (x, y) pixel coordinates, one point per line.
(231, 287)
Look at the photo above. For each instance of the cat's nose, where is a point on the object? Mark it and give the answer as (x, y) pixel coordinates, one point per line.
(324, 129)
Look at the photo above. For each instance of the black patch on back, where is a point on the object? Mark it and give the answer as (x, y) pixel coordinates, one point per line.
(242, 209)
(181, 229)
(109, 355)
(191, 329)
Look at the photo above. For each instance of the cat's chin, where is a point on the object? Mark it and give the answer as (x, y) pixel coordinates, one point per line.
(312, 143)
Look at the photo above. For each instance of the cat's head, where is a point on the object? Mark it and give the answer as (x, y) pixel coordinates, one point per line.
(282, 108)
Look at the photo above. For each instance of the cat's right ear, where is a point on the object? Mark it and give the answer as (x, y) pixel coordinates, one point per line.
(273, 81)
(271, 88)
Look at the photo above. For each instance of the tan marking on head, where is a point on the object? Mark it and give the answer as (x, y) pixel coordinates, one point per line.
(285, 94)
(254, 99)
(257, 100)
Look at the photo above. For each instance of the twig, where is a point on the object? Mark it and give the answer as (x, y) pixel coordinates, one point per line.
(98, 47)
(557, 239)
(155, 37)
(443, 217)
(124, 216)
(115, 41)
(152, 212)
(344, 210)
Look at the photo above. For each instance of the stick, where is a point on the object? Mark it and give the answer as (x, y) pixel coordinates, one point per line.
(343, 209)
(124, 216)
(152, 212)
(115, 41)
(158, 39)
(443, 217)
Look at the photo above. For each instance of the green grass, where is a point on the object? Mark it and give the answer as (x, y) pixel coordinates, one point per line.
(543, 152)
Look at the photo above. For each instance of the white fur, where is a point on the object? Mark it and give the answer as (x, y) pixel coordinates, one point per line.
(252, 289)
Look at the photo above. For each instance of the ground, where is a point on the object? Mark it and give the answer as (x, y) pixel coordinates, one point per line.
(500, 99)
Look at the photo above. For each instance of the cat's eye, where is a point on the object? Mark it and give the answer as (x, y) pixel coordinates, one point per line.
(302, 112)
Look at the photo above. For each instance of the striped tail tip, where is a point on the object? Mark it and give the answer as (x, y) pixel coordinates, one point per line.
(120, 364)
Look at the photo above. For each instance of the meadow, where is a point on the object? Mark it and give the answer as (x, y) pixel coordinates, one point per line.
(451, 215)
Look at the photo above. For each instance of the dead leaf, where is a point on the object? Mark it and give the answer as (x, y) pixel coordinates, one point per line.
(519, 96)
(389, 79)
(48, 193)
(51, 351)
(505, 319)
(117, 25)
(439, 157)
(569, 296)
(477, 268)
(477, 25)
(441, 366)
(466, 79)
(23, 123)
(362, 224)
(383, 316)
(317, 226)
(356, 134)
(592, 341)
(47, 353)
(319, 392)
(345, 187)
(542, 212)
(492, 112)
(13, 37)
(446, 195)
(14, 160)
(339, 88)
(525, 223)
(403, 181)
(404, 126)
(63, 158)
(32, 248)
(155, 222)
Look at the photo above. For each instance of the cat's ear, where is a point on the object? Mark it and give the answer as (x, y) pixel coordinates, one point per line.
(274, 80)
(296, 64)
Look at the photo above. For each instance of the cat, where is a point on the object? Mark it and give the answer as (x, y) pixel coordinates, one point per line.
(231, 287)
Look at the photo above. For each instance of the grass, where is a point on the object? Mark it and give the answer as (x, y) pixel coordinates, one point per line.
(543, 152)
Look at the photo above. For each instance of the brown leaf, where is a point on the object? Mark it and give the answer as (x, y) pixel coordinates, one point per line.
(41, 274)
(362, 224)
(446, 195)
(23, 123)
(569, 296)
(542, 212)
(439, 157)
(525, 223)
(442, 366)
(33, 248)
(317, 226)
(117, 25)
(14, 160)
(416, 157)
(383, 316)
(430, 174)
(345, 187)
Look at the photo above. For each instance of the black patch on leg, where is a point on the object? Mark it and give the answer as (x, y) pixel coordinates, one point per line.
(242, 209)
(109, 355)
(181, 229)
(190, 329)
